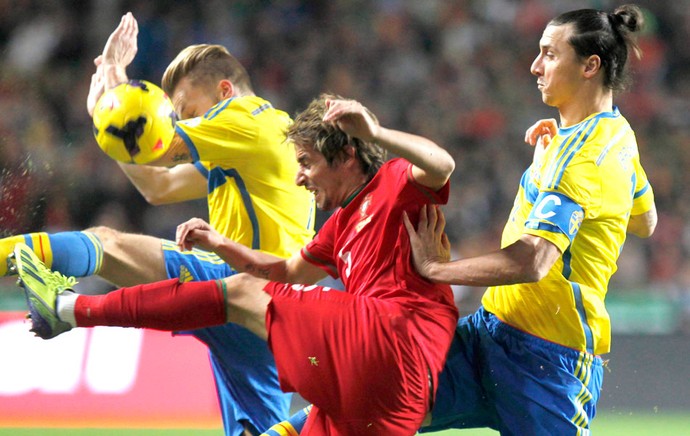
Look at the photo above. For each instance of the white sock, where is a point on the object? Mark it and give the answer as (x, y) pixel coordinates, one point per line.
(65, 307)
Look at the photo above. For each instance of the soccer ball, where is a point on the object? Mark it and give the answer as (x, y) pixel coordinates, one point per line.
(134, 122)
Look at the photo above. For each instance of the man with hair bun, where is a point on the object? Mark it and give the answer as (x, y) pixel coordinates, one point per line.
(528, 361)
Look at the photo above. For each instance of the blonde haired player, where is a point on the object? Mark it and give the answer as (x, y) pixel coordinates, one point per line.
(230, 148)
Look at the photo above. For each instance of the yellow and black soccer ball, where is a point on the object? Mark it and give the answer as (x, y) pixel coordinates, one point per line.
(134, 122)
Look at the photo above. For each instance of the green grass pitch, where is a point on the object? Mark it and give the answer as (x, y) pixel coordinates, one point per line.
(609, 424)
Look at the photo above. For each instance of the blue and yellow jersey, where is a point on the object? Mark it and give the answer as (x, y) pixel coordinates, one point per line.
(239, 145)
(579, 194)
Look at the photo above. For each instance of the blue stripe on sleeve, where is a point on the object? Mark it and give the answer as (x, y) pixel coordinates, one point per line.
(201, 168)
(190, 144)
(642, 191)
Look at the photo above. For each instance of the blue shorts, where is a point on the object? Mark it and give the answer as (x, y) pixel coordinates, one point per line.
(243, 366)
(499, 377)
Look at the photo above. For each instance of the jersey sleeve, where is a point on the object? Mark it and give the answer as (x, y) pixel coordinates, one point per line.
(320, 250)
(434, 197)
(558, 212)
(556, 218)
(643, 197)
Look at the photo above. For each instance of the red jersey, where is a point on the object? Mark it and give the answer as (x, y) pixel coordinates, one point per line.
(365, 243)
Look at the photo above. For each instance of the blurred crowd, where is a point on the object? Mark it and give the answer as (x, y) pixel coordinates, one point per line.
(455, 71)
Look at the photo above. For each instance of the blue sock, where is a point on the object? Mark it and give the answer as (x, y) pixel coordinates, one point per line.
(77, 254)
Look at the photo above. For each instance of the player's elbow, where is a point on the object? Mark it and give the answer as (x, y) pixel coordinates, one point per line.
(535, 272)
(535, 257)
(446, 166)
(442, 170)
(156, 198)
(643, 225)
(529, 271)
(644, 232)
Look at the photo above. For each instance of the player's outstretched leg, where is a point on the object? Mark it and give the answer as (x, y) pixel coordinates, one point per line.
(41, 287)
(165, 305)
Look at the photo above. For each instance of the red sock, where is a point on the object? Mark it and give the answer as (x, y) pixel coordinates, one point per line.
(166, 305)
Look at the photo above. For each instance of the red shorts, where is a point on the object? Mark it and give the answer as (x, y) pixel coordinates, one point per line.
(353, 357)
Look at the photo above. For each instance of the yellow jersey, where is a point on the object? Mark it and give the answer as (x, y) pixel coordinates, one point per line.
(579, 194)
(239, 145)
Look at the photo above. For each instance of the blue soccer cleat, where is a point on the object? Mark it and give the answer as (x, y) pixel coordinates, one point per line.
(41, 287)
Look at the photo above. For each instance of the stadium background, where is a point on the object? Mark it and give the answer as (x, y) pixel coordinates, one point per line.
(455, 71)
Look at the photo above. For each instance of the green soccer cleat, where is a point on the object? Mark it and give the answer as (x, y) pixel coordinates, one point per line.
(41, 287)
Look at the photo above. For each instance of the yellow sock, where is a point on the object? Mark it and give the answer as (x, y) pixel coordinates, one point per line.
(38, 241)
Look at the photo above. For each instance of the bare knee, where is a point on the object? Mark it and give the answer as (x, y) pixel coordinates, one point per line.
(247, 302)
(129, 258)
(107, 236)
(117, 243)
(244, 288)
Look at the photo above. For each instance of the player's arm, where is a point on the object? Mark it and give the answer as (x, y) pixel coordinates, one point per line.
(198, 233)
(177, 153)
(432, 165)
(160, 185)
(527, 260)
(118, 53)
(643, 225)
(643, 216)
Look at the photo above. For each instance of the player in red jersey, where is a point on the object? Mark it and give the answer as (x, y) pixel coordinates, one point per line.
(368, 358)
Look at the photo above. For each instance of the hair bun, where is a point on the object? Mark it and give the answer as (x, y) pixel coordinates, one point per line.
(629, 16)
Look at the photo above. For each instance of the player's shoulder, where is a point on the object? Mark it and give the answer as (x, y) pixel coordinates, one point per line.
(249, 111)
(396, 164)
(591, 140)
(251, 104)
(608, 129)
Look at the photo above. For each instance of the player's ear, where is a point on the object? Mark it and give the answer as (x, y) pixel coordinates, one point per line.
(592, 66)
(350, 154)
(225, 89)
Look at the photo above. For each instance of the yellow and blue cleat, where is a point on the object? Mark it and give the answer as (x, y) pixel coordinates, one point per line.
(41, 287)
